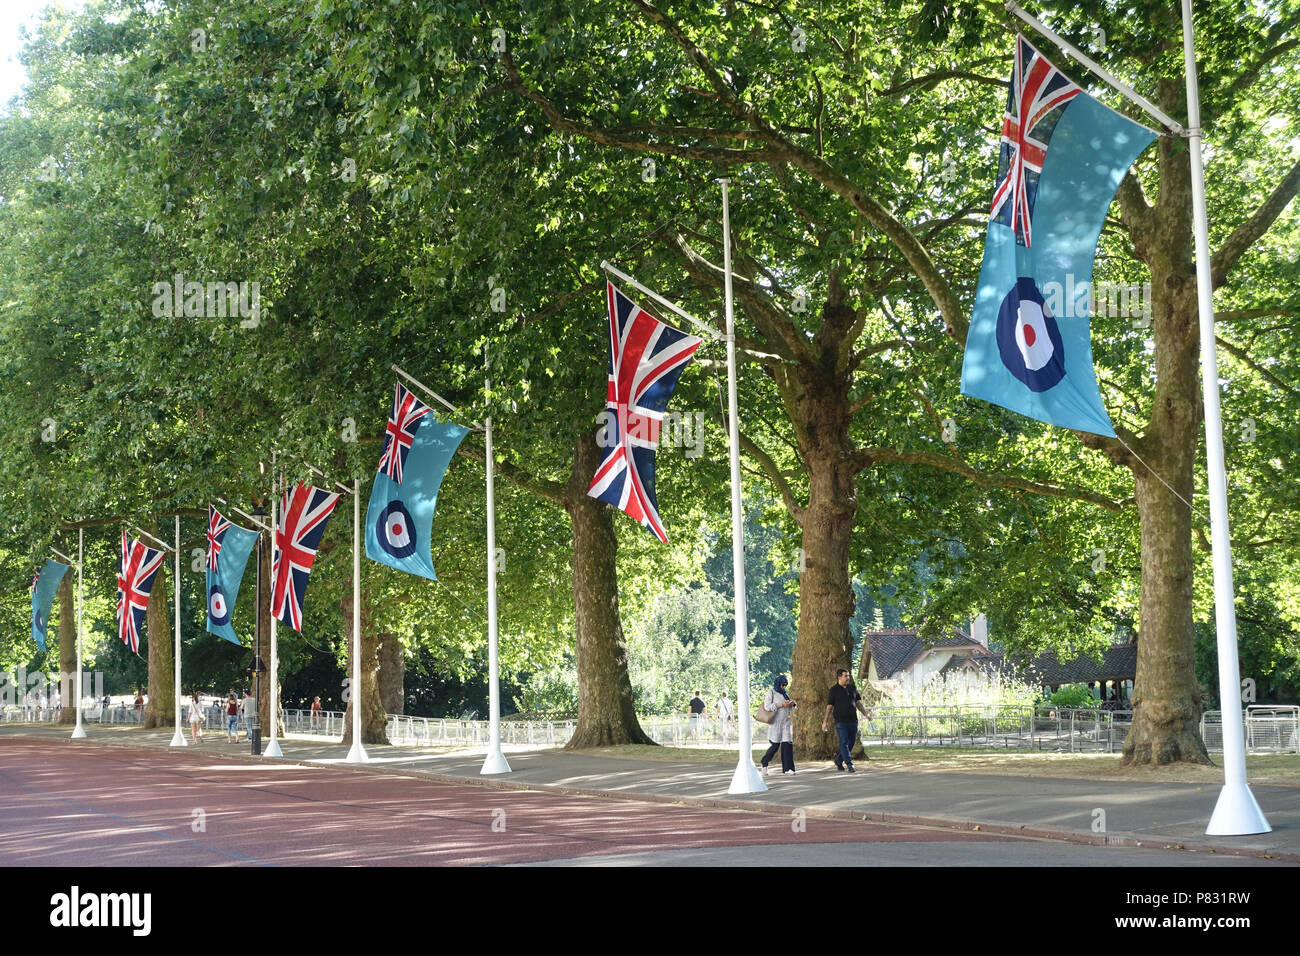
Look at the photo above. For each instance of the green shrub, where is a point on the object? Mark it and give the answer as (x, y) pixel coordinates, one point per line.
(1075, 695)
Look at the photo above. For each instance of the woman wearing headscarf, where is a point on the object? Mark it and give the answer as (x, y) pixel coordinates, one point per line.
(780, 732)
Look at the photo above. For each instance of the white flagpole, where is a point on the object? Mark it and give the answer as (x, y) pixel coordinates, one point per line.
(746, 778)
(79, 731)
(358, 753)
(178, 738)
(495, 762)
(708, 330)
(273, 708)
(1236, 812)
(1070, 50)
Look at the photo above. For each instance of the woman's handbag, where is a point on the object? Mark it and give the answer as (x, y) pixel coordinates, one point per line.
(763, 715)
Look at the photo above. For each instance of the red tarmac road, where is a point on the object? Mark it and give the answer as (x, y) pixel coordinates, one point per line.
(101, 806)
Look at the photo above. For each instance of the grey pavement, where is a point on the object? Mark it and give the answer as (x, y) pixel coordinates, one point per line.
(1149, 815)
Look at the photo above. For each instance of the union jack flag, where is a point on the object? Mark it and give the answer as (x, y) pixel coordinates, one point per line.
(217, 526)
(1038, 91)
(402, 423)
(135, 577)
(303, 514)
(646, 357)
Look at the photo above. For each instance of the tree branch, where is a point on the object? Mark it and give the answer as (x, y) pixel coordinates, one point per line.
(768, 316)
(564, 300)
(1240, 315)
(1248, 232)
(550, 490)
(781, 149)
(867, 457)
(782, 484)
(606, 137)
(1244, 357)
(933, 79)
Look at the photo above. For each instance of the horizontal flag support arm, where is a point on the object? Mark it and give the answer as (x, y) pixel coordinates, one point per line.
(312, 468)
(245, 514)
(145, 534)
(59, 554)
(434, 395)
(1121, 87)
(707, 329)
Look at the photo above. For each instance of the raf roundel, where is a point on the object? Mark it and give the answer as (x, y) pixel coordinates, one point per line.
(217, 609)
(1029, 340)
(395, 530)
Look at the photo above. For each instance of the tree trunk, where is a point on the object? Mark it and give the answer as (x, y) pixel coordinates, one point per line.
(374, 722)
(160, 708)
(1166, 699)
(1166, 696)
(824, 643)
(67, 651)
(817, 400)
(392, 674)
(606, 715)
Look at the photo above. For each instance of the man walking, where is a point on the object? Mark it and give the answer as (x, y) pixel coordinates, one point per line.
(844, 703)
(248, 708)
(724, 708)
(697, 711)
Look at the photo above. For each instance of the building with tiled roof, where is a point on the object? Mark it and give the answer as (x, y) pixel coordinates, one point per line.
(1113, 675)
(901, 654)
(894, 655)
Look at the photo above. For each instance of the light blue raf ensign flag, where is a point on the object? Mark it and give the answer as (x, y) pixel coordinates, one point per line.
(1063, 156)
(417, 452)
(228, 549)
(44, 585)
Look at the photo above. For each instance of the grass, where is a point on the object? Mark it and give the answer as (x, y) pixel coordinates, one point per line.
(1281, 769)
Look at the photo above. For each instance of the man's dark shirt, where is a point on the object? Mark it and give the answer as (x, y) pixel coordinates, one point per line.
(841, 700)
(697, 706)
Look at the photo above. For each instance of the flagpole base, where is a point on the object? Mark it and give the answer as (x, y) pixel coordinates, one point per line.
(1236, 813)
(357, 754)
(495, 763)
(79, 732)
(746, 779)
(178, 739)
(273, 748)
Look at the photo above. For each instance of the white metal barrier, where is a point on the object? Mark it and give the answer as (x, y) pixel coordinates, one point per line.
(1267, 729)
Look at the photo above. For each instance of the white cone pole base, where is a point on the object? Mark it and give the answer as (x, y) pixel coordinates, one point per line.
(1237, 813)
(495, 763)
(746, 779)
(178, 739)
(79, 732)
(273, 748)
(357, 754)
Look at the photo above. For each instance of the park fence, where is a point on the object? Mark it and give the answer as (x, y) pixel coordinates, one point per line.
(1267, 729)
